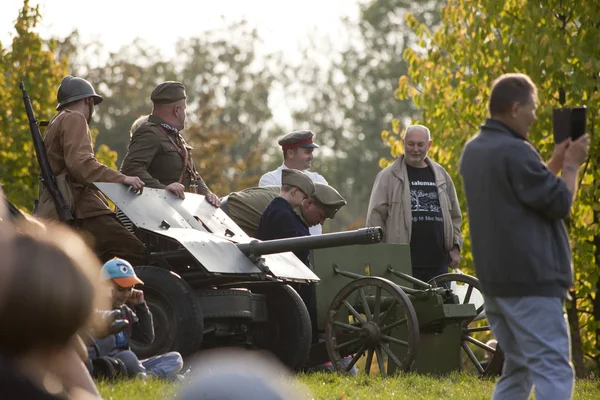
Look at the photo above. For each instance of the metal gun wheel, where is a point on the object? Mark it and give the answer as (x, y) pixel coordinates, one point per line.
(288, 332)
(372, 316)
(482, 359)
(175, 311)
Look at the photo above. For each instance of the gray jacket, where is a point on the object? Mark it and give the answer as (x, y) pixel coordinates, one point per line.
(516, 208)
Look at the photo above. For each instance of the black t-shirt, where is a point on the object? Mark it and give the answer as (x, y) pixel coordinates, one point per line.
(427, 248)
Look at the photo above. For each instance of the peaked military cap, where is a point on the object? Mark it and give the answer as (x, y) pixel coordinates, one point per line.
(168, 92)
(293, 177)
(330, 198)
(297, 139)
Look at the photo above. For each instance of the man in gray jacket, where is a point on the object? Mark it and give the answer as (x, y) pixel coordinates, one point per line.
(516, 206)
(415, 202)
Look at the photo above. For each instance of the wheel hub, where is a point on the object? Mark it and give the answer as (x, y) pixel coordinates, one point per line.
(372, 334)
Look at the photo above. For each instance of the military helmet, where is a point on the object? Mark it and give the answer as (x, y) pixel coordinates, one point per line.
(72, 89)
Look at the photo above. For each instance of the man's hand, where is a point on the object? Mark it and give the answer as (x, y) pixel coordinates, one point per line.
(135, 182)
(137, 297)
(454, 257)
(558, 155)
(577, 152)
(213, 199)
(177, 189)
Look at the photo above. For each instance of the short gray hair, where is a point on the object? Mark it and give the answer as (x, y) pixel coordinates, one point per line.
(410, 127)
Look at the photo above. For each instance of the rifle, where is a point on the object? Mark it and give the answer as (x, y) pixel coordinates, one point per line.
(47, 176)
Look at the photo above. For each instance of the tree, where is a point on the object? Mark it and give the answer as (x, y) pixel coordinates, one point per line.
(449, 78)
(228, 88)
(32, 60)
(349, 103)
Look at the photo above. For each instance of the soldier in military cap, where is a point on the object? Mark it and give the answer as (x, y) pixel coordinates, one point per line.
(246, 206)
(68, 143)
(157, 152)
(297, 147)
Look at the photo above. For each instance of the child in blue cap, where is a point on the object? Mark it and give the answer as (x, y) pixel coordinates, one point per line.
(122, 278)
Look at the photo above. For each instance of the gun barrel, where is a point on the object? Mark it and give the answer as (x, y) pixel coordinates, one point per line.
(360, 236)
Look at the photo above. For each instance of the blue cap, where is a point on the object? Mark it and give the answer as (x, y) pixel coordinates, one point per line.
(121, 272)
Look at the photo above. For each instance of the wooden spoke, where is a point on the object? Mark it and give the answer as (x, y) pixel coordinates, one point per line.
(348, 343)
(365, 304)
(394, 340)
(346, 326)
(354, 312)
(355, 359)
(485, 328)
(385, 313)
(472, 357)
(393, 325)
(377, 306)
(468, 295)
(369, 361)
(380, 361)
(479, 344)
(391, 355)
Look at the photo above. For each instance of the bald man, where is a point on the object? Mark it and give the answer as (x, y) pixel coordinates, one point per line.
(415, 203)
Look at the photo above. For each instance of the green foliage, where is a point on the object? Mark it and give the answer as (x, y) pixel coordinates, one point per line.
(228, 99)
(450, 75)
(32, 60)
(349, 103)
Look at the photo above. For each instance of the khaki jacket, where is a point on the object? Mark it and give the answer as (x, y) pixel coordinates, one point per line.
(389, 206)
(154, 158)
(68, 143)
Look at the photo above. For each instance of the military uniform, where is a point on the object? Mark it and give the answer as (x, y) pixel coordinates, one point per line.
(68, 144)
(290, 141)
(158, 154)
(246, 207)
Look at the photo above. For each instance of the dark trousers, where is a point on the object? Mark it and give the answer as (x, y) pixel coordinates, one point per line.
(109, 238)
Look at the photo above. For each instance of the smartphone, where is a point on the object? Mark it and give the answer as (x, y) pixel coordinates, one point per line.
(561, 124)
(578, 121)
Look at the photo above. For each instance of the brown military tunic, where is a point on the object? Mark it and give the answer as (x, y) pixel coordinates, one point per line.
(156, 154)
(68, 143)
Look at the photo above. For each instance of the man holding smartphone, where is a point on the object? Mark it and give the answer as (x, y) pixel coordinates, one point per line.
(516, 206)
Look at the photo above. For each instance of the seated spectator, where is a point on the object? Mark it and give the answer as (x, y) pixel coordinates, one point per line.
(48, 292)
(122, 279)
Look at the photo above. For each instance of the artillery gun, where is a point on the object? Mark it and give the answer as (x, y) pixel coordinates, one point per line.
(208, 284)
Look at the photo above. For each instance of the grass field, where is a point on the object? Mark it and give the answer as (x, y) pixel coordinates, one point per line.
(333, 386)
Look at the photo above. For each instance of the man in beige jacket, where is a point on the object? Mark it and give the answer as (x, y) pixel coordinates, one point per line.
(68, 143)
(415, 202)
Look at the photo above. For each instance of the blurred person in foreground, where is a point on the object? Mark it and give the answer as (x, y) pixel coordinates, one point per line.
(516, 207)
(121, 278)
(240, 374)
(48, 291)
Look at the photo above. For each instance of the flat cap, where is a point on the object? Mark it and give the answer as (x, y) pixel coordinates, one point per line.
(293, 177)
(168, 92)
(330, 198)
(297, 139)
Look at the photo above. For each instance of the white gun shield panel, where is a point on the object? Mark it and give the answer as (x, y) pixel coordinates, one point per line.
(206, 232)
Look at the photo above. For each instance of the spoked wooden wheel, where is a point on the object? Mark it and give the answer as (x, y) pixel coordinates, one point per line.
(482, 358)
(374, 316)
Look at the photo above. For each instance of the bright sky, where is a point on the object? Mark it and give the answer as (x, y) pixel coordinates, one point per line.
(282, 24)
